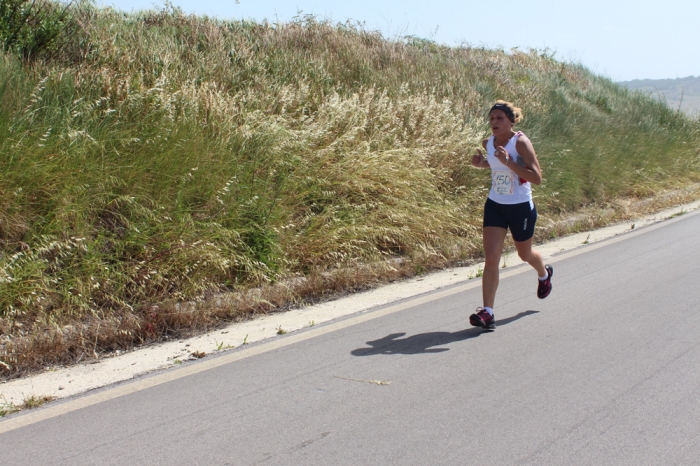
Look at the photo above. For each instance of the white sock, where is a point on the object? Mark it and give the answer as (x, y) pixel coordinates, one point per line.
(488, 309)
(546, 276)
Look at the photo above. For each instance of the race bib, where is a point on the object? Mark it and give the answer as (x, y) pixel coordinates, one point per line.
(503, 182)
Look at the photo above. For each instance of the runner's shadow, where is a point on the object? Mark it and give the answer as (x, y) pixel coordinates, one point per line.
(425, 342)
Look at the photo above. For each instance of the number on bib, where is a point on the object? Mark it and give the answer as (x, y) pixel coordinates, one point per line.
(503, 182)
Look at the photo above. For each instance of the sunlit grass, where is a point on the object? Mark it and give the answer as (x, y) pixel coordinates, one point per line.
(170, 158)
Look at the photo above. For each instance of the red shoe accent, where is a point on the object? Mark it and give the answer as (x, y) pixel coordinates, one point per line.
(545, 286)
(482, 319)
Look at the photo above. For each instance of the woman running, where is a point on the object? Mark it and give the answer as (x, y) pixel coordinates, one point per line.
(514, 165)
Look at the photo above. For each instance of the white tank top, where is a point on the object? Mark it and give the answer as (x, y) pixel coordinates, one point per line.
(506, 186)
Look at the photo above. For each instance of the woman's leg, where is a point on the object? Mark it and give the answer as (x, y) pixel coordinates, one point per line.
(493, 247)
(529, 255)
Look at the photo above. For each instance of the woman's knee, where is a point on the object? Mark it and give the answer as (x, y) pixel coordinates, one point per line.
(491, 260)
(525, 254)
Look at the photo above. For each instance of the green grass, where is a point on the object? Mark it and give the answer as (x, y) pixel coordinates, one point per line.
(29, 402)
(8, 408)
(678, 214)
(32, 402)
(164, 159)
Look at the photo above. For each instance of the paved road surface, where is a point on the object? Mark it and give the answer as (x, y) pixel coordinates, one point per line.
(604, 371)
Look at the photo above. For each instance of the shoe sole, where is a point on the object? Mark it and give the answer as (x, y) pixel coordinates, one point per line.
(478, 322)
(550, 271)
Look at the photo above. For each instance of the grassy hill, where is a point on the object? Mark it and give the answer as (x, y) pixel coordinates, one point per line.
(155, 164)
(679, 93)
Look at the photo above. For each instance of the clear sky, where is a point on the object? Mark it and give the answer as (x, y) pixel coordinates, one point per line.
(620, 39)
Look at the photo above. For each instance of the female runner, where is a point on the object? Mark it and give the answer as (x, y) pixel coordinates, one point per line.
(514, 166)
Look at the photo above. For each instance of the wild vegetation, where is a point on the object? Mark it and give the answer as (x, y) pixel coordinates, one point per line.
(163, 173)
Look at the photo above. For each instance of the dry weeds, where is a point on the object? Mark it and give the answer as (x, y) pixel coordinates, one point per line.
(175, 173)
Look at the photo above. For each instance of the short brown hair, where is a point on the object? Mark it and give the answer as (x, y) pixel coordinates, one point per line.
(517, 112)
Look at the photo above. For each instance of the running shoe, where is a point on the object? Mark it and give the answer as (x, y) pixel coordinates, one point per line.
(545, 286)
(482, 319)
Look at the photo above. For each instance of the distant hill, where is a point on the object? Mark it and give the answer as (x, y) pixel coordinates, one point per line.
(683, 93)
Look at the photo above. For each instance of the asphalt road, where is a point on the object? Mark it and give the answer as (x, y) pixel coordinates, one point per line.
(604, 371)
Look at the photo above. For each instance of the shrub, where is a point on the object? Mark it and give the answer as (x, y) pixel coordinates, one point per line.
(32, 28)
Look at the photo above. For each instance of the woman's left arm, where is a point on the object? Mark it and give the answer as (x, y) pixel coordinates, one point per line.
(532, 171)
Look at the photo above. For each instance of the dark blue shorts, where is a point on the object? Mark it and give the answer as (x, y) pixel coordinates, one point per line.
(520, 218)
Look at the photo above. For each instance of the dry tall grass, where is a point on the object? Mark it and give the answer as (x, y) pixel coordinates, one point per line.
(164, 160)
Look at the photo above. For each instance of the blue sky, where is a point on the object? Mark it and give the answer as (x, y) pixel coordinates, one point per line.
(620, 39)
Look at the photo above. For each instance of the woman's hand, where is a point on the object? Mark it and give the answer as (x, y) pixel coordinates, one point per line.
(478, 160)
(502, 155)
